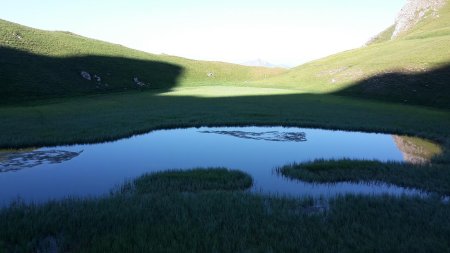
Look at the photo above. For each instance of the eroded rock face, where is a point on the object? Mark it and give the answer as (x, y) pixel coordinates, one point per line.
(413, 12)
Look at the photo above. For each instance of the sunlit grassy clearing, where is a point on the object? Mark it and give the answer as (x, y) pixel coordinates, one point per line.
(226, 91)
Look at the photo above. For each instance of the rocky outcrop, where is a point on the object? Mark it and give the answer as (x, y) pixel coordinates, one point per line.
(413, 12)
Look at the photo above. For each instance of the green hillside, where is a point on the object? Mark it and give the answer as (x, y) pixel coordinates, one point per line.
(414, 68)
(42, 64)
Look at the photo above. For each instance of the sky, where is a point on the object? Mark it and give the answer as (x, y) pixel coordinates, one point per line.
(284, 32)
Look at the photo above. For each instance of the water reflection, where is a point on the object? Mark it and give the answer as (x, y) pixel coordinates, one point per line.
(265, 136)
(416, 150)
(14, 161)
(58, 172)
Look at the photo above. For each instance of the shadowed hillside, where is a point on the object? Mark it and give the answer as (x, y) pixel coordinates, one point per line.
(426, 88)
(43, 64)
(26, 76)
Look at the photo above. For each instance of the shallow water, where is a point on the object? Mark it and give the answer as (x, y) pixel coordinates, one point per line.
(94, 169)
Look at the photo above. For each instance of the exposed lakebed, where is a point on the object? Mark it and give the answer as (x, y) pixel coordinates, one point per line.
(94, 169)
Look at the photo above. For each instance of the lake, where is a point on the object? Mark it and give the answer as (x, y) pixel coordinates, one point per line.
(46, 173)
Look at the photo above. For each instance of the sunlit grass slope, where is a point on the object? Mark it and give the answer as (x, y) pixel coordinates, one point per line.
(42, 64)
(413, 68)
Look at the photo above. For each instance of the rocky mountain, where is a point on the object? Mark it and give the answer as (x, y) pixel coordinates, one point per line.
(409, 17)
(413, 12)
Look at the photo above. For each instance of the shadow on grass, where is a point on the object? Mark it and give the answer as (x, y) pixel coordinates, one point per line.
(105, 118)
(430, 88)
(26, 76)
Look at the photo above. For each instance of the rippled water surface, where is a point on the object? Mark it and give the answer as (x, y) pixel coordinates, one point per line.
(94, 169)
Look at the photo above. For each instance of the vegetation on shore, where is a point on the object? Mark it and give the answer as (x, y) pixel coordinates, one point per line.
(109, 117)
(205, 221)
(431, 178)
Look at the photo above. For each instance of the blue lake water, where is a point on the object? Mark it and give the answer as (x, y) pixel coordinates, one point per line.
(94, 169)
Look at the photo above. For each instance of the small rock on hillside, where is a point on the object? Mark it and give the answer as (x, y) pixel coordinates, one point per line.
(138, 82)
(86, 75)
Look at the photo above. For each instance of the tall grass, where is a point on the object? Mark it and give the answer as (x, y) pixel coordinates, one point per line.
(222, 221)
(427, 177)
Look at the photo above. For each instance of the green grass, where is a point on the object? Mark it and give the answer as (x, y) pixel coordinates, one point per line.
(223, 221)
(385, 71)
(108, 117)
(37, 64)
(412, 69)
(383, 36)
(430, 178)
(195, 180)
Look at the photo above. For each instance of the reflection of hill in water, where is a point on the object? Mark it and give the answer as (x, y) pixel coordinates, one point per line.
(416, 150)
(13, 161)
(266, 136)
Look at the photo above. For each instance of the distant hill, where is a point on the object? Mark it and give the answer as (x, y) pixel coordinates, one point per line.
(262, 63)
(407, 63)
(37, 64)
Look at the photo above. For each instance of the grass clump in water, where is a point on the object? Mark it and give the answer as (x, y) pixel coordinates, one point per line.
(195, 180)
(427, 177)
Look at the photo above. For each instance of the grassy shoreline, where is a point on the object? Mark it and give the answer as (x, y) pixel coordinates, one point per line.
(227, 221)
(110, 117)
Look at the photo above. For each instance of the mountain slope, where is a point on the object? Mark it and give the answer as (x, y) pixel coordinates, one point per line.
(413, 67)
(38, 64)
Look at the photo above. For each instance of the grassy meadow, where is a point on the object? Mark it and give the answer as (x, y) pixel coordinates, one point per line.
(37, 64)
(396, 86)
